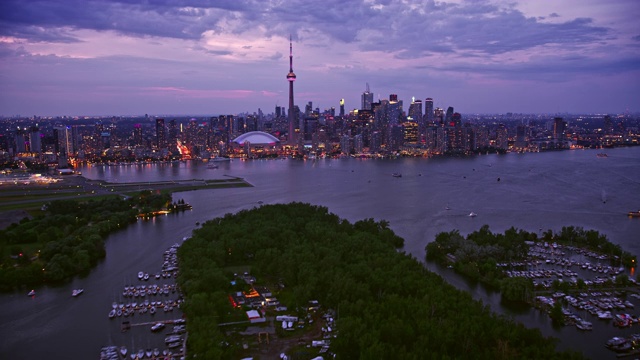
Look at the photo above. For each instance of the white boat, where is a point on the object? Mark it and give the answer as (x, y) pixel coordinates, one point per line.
(156, 352)
(157, 326)
(140, 275)
(584, 325)
(173, 338)
(123, 351)
(31, 293)
(112, 313)
(77, 292)
(472, 214)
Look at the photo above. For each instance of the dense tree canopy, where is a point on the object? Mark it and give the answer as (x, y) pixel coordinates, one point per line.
(67, 240)
(388, 305)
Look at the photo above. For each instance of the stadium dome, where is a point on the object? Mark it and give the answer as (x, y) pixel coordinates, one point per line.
(256, 138)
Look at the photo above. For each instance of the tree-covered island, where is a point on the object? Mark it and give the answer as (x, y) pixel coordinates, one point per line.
(67, 239)
(385, 303)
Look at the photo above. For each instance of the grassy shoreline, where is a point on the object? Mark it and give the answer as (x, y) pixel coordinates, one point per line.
(31, 197)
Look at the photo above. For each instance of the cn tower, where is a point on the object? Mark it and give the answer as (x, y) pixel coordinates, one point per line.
(291, 77)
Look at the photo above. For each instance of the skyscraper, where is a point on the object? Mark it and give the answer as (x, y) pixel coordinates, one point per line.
(291, 77)
(62, 141)
(428, 110)
(161, 139)
(559, 127)
(415, 110)
(449, 116)
(341, 107)
(367, 99)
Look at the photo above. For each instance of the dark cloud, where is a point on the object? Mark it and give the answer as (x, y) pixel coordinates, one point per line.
(174, 19)
(545, 69)
(412, 29)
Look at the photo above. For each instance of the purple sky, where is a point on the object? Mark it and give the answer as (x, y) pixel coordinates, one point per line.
(129, 57)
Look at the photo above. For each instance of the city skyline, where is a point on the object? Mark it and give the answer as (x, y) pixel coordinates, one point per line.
(113, 58)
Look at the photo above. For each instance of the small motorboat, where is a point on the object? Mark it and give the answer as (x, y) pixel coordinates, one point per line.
(31, 293)
(77, 292)
(472, 214)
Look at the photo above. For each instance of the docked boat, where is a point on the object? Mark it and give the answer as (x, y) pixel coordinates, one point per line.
(112, 313)
(77, 292)
(157, 326)
(123, 351)
(31, 293)
(173, 338)
(140, 275)
(472, 214)
(584, 325)
(634, 213)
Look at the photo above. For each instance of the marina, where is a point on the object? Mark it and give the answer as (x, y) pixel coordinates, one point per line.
(143, 302)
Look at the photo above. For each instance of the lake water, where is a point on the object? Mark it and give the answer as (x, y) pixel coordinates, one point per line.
(533, 192)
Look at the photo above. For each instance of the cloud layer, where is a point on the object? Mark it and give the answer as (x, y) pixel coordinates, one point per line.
(210, 57)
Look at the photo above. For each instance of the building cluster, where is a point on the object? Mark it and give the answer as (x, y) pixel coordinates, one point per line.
(377, 128)
(381, 128)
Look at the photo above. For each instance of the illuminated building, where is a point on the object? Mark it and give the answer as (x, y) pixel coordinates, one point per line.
(63, 144)
(411, 134)
(559, 127)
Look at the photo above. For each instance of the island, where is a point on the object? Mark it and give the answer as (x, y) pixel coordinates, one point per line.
(295, 279)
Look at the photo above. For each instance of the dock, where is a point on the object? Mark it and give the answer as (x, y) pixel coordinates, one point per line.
(128, 325)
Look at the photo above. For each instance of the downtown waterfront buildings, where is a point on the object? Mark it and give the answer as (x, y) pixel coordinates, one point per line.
(383, 128)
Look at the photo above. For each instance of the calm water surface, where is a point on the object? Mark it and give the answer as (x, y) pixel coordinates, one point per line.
(534, 192)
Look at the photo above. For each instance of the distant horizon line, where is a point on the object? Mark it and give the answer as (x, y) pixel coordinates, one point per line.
(53, 117)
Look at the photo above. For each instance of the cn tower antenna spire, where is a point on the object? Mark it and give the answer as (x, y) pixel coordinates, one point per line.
(290, 55)
(291, 77)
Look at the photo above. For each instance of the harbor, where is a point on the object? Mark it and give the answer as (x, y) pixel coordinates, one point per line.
(592, 290)
(142, 312)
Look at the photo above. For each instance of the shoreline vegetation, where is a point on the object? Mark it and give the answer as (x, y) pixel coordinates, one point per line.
(485, 257)
(57, 231)
(67, 238)
(387, 305)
